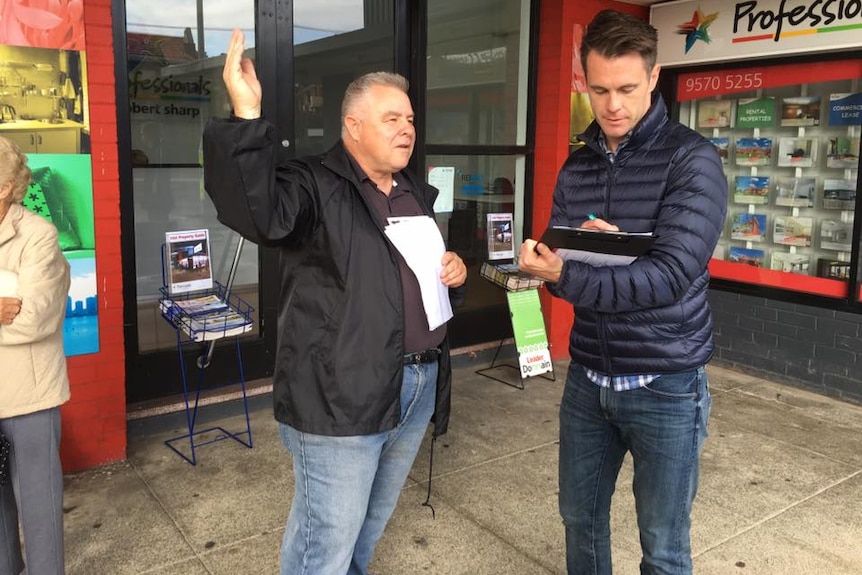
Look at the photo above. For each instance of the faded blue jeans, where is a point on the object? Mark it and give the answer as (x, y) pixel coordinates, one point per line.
(347, 487)
(663, 425)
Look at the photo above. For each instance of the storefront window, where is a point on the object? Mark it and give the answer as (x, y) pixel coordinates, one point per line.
(476, 126)
(476, 70)
(334, 47)
(791, 155)
(174, 72)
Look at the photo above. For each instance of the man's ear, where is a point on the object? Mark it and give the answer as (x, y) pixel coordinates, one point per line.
(653, 76)
(353, 125)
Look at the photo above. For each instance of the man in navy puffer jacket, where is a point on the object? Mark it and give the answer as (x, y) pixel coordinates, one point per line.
(643, 332)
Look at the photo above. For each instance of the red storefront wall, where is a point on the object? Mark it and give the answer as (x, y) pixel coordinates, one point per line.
(557, 20)
(94, 420)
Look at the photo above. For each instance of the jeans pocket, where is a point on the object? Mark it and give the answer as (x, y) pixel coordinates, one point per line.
(681, 385)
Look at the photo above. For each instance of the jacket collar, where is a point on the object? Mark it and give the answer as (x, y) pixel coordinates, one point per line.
(337, 160)
(10, 223)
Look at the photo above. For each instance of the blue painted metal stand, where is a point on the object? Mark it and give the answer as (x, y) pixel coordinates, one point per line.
(197, 437)
(197, 329)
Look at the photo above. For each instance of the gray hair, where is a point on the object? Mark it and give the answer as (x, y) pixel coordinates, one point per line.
(14, 169)
(360, 86)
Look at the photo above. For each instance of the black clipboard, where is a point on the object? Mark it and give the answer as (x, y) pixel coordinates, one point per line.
(592, 246)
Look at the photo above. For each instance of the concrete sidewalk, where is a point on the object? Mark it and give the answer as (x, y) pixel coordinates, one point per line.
(780, 494)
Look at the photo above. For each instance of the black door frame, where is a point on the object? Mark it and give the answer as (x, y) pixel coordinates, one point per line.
(154, 375)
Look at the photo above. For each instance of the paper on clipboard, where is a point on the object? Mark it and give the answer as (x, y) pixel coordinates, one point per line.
(597, 247)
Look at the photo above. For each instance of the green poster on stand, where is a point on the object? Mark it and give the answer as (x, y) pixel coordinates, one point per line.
(528, 325)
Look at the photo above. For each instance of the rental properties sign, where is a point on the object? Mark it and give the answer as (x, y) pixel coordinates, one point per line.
(698, 31)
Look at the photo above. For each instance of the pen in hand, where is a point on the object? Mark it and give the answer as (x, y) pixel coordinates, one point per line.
(591, 216)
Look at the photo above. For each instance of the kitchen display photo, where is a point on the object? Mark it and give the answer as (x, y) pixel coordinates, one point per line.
(44, 110)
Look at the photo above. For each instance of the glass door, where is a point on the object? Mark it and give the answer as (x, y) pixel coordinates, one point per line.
(174, 58)
(305, 54)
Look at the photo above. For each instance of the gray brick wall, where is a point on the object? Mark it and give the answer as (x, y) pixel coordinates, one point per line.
(801, 345)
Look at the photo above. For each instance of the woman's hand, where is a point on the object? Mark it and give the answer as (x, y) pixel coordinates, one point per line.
(10, 307)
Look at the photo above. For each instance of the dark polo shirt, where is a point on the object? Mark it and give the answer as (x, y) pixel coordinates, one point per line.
(399, 203)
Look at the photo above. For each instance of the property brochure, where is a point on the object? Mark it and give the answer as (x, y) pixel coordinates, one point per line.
(747, 256)
(721, 144)
(795, 192)
(843, 152)
(800, 111)
(507, 277)
(751, 190)
(793, 231)
(748, 227)
(836, 235)
(790, 263)
(755, 112)
(753, 151)
(797, 152)
(187, 261)
(833, 269)
(714, 113)
(839, 194)
(845, 109)
(217, 325)
(200, 305)
(501, 240)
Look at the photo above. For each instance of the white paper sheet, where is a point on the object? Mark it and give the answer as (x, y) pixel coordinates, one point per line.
(8, 284)
(418, 240)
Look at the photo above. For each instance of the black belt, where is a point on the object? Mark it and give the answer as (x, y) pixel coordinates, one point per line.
(424, 356)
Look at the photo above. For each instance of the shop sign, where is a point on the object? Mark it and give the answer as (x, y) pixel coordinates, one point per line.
(154, 95)
(698, 31)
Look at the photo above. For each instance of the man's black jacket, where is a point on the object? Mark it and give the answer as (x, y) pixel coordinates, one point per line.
(338, 366)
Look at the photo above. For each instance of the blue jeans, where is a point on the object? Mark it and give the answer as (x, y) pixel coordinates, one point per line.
(663, 425)
(347, 487)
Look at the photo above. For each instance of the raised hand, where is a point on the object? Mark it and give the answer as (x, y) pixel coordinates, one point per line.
(241, 81)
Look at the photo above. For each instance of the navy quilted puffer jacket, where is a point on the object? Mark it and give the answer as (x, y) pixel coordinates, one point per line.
(651, 316)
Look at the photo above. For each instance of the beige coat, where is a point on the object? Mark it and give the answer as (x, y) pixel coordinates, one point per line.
(32, 363)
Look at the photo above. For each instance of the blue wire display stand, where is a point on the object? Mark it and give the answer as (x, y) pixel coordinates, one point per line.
(200, 319)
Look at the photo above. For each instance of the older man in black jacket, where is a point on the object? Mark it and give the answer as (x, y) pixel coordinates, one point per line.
(643, 331)
(359, 371)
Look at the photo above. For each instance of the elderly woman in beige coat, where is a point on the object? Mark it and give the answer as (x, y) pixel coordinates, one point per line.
(34, 283)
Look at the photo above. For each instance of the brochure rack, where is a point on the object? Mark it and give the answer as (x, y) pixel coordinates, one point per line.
(200, 319)
(508, 278)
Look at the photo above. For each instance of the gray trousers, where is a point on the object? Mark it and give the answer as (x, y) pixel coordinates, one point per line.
(35, 495)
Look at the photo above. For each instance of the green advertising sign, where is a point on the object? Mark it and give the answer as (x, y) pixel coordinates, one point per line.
(755, 113)
(528, 325)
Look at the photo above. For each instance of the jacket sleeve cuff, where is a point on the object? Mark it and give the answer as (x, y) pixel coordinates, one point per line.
(558, 289)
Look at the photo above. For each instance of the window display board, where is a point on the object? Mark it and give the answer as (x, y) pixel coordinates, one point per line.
(791, 155)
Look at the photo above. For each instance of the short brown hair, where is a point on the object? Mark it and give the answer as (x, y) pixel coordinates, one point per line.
(14, 169)
(612, 34)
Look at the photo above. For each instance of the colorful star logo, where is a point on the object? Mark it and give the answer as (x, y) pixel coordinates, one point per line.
(697, 28)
